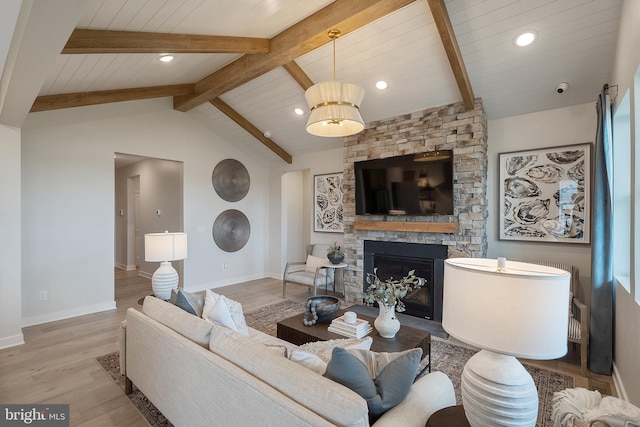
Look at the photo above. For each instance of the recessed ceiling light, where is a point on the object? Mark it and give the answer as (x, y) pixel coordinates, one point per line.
(298, 111)
(166, 58)
(525, 39)
(381, 85)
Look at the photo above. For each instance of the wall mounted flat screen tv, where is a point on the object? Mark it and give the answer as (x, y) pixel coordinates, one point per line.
(415, 184)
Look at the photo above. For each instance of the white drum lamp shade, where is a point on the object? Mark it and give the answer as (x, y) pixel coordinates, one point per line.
(334, 109)
(163, 248)
(519, 310)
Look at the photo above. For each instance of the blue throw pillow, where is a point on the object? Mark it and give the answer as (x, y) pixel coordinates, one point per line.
(382, 379)
(189, 302)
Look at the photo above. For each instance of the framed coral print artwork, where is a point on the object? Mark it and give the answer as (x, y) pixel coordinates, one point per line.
(327, 208)
(545, 194)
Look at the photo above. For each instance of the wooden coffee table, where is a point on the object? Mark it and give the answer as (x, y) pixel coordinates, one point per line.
(293, 330)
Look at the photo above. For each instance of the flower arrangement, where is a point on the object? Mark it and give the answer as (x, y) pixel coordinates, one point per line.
(391, 291)
(334, 254)
(334, 249)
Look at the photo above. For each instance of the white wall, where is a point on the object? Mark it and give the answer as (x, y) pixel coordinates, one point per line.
(292, 216)
(551, 128)
(68, 202)
(10, 245)
(311, 164)
(627, 322)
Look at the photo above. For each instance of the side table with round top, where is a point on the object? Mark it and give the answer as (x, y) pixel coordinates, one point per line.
(452, 416)
(336, 278)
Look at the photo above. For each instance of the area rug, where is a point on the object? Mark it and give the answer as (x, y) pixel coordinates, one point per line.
(111, 364)
(265, 319)
(447, 357)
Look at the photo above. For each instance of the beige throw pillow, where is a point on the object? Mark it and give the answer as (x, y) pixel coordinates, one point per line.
(314, 262)
(315, 355)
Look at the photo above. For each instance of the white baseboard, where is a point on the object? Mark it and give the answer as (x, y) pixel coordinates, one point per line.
(66, 314)
(617, 381)
(126, 267)
(11, 341)
(145, 274)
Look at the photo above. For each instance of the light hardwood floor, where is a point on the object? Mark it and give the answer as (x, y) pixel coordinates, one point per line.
(57, 362)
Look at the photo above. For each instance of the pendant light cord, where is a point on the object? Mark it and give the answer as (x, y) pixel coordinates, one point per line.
(334, 58)
(334, 34)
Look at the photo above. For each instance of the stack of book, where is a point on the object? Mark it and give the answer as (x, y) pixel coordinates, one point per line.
(352, 330)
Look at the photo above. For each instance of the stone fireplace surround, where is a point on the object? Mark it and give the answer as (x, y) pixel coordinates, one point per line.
(449, 127)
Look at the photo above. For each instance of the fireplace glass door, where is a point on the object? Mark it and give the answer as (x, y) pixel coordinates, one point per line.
(418, 302)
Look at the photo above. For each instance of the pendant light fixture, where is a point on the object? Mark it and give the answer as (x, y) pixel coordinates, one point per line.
(334, 105)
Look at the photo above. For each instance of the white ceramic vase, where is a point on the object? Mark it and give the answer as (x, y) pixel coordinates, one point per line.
(387, 324)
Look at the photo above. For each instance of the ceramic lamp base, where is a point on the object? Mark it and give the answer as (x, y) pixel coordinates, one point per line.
(164, 280)
(498, 391)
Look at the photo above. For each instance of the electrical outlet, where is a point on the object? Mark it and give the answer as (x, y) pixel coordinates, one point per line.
(225, 266)
(43, 295)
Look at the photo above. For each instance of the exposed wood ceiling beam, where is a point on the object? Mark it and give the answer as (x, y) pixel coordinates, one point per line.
(443, 23)
(298, 75)
(297, 40)
(105, 41)
(79, 99)
(246, 125)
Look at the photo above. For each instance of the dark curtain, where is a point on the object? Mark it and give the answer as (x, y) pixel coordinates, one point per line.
(602, 289)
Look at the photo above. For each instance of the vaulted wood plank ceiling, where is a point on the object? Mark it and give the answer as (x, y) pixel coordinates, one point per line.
(412, 47)
(295, 41)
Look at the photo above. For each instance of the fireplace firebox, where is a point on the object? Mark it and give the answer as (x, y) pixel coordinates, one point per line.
(396, 259)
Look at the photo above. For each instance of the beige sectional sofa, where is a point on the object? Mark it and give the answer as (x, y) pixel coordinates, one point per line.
(200, 374)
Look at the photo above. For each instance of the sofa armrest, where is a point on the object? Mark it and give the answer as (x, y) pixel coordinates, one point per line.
(429, 394)
(123, 347)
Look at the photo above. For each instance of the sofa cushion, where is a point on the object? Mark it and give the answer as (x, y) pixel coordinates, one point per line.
(187, 325)
(382, 379)
(190, 302)
(326, 398)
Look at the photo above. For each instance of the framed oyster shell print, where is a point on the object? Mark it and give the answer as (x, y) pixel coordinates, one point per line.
(545, 194)
(327, 208)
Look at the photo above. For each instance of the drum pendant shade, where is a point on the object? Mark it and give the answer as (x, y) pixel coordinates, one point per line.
(334, 109)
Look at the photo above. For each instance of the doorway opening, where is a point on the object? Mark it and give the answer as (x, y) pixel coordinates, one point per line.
(148, 199)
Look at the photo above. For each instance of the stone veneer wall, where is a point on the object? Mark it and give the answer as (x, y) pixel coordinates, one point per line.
(449, 127)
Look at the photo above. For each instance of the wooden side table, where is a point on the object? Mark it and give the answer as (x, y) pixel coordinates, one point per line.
(453, 416)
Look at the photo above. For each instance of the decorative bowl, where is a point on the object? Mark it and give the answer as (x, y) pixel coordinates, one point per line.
(326, 307)
(336, 258)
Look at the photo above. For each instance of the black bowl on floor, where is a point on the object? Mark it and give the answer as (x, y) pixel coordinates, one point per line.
(326, 307)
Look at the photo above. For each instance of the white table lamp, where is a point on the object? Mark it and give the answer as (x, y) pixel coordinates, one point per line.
(508, 309)
(164, 248)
